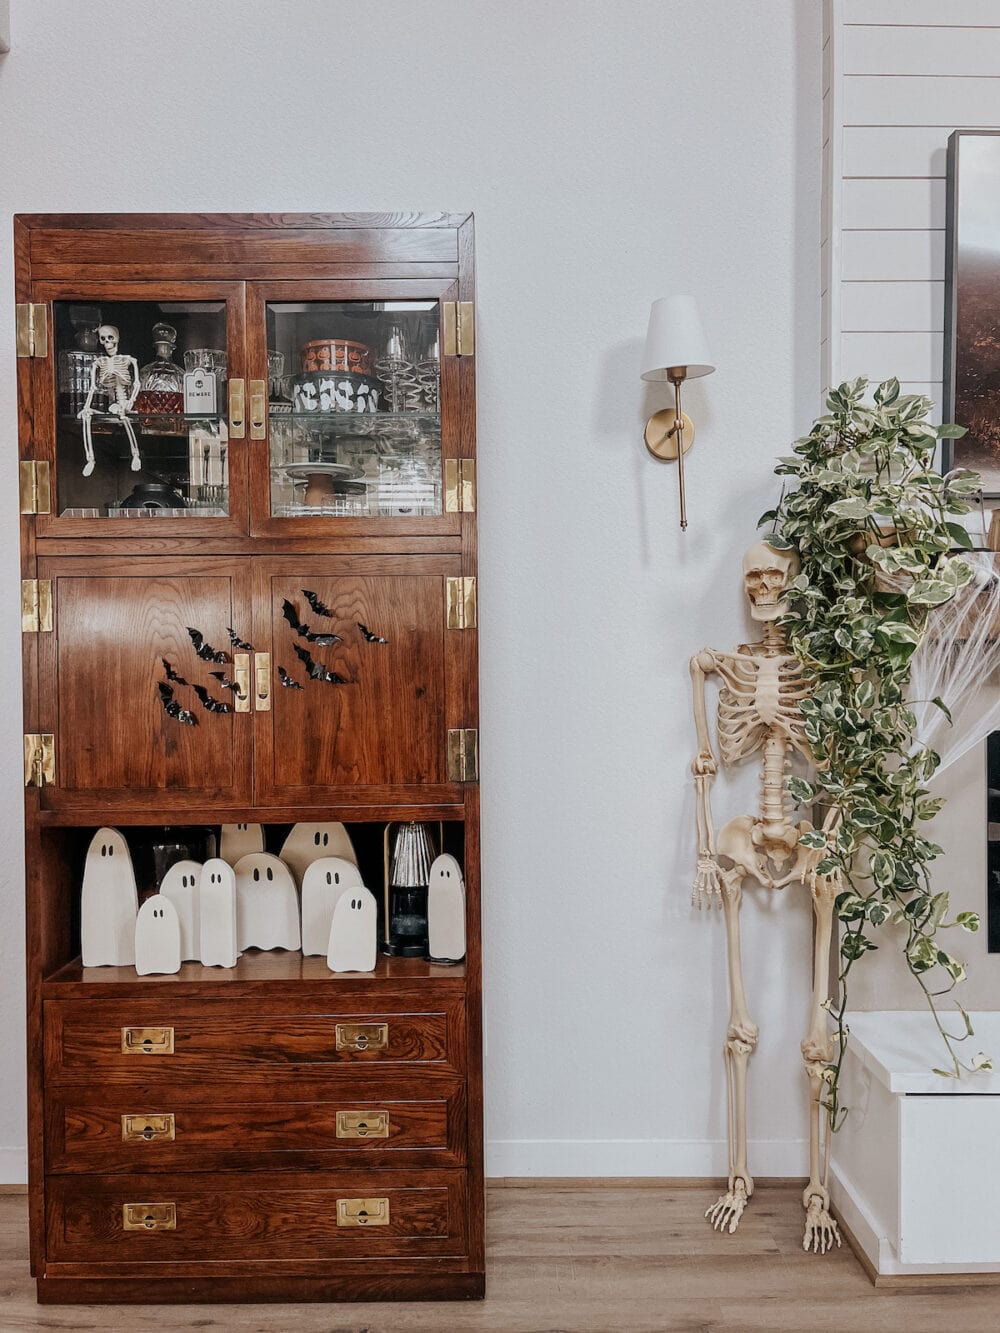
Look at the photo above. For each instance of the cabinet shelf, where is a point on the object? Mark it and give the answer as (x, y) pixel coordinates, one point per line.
(254, 973)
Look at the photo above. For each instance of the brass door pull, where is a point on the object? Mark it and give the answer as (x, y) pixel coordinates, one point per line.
(147, 1128)
(147, 1041)
(362, 1124)
(241, 679)
(362, 1212)
(258, 409)
(237, 409)
(262, 682)
(362, 1036)
(149, 1216)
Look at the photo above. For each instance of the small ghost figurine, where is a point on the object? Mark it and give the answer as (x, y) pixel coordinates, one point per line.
(446, 911)
(353, 941)
(267, 904)
(157, 937)
(180, 885)
(240, 840)
(109, 903)
(308, 842)
(217, 917)
(324, 882)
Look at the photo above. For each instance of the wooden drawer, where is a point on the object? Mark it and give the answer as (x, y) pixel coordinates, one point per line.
(175, 1128)
(221, 1040)
(242, 1220)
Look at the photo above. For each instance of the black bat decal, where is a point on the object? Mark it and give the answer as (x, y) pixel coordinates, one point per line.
(316, 670)
(287, 681)
(172, 708)
(237, 642)
(225, 683)
(303, 631)
(205, 650)
(316, 604)
(368, 635)
(213, 705)
(171, 673)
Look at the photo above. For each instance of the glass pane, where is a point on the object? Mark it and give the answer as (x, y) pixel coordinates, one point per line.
(355, 421)
(141, 409)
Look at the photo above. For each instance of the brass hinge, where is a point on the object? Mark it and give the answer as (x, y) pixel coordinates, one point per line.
(32, 330)
(36, 491)
(462, 608)
(463, 754)
(39, 759)
(458, 328)
(36, 606)
(460, 485)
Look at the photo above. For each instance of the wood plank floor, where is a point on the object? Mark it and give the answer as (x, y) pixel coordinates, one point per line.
(578, 1259)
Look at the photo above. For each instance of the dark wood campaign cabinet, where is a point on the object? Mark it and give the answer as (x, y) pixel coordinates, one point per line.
(271, 1131)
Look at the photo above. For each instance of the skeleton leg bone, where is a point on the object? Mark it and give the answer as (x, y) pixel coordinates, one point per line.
(88, 444)
(741, 1039)
(817, 1050)
(133, 444)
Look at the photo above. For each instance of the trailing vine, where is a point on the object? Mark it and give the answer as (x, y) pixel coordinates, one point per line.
(873, 525)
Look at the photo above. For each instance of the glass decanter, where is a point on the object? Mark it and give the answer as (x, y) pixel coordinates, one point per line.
(162, 374)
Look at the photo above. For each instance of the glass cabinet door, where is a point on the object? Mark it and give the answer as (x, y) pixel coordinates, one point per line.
(138, 429)
(362, 406)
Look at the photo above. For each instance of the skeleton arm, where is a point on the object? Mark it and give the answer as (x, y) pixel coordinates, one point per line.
(134, 394)
(706, 883)
(86, 410)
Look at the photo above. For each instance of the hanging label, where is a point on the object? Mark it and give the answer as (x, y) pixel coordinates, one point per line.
(200, 393)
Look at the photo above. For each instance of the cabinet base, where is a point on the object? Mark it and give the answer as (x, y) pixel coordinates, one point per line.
(240, 1291)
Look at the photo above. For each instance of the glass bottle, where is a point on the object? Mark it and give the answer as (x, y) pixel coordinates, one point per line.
(162, 374)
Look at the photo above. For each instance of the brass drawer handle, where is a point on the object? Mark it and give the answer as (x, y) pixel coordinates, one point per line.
(241, 679)
(237, 409)
(147, 1041)
(146, 1128)
(362, 1212)
(258, 409)
(362, 1124)
(262, 682)
(149, 1216)
(362, 1036)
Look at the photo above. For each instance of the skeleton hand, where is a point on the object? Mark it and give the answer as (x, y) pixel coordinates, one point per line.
(117, 409)
(704, 764)
(821, 1229)
(85, 413)
(726, 1213)
(706, 890)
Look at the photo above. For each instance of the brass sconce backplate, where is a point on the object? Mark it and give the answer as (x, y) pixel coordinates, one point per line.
(659, 440)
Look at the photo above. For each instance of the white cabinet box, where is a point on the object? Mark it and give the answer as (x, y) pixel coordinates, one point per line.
(915, 1172)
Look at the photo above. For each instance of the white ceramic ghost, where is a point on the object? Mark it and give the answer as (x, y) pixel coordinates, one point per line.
(217, 916)
(109, 903)
(180, 885)
(157, 937)
(324, 881)
(353, 941)
(446, 911)
(267, 904)
(240, 840)
(308, 842)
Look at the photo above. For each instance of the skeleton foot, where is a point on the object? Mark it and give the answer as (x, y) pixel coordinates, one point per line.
(136, 463)
(726, 1213)
(821, 1229)
(88, 467)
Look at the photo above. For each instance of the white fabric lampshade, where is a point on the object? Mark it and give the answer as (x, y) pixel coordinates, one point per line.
(675, 338)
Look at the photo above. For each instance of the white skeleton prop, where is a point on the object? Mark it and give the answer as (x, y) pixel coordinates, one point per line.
(118, 376)
(761, 686)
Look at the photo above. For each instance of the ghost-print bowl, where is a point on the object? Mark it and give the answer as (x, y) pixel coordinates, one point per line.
(327, 392)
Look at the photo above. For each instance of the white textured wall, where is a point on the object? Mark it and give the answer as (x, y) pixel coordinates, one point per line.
(900, 76)
(612, 154)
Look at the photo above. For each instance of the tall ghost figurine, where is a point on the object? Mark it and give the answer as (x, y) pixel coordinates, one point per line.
(267, 904)
(324, 882)
(157, 937)
(217, 894)
(353, 945)
(446, 911)
(308, 842)
(180, 885)
(240, 840)
(109, 903)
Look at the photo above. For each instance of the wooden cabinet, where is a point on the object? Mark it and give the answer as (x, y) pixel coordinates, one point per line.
(248, 501)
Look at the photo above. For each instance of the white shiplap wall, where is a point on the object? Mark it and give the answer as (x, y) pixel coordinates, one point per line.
(900, 75)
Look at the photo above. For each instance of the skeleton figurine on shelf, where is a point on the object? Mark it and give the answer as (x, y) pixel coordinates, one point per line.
(761, 687)
(118, 377)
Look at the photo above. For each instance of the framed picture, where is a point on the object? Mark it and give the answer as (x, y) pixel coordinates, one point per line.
(972, 305)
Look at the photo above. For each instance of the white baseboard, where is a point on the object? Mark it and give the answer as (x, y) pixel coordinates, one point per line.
(13, 1166)
(640, 1157)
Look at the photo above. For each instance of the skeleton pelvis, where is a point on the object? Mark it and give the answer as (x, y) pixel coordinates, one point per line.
(752, 844)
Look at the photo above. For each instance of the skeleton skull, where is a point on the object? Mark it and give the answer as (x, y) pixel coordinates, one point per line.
(766, 575)
(109, 338)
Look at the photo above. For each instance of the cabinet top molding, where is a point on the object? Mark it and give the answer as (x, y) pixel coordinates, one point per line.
(235, 221)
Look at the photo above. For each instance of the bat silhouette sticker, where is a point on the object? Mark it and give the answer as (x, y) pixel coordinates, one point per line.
(225, 683)
(171, 673)
(303, 631)
(318, 607)
(368, 636)
(172, 708)
(287, 680)
(205, 650)
(207, 702)
(239, 644)
(316, 670)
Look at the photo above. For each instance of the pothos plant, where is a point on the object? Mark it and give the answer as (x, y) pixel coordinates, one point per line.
(874, 527)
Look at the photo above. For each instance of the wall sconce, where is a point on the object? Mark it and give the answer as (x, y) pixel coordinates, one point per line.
(675, 350)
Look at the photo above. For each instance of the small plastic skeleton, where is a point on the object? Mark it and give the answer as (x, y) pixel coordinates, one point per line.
(761, 686)
(118, 376)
